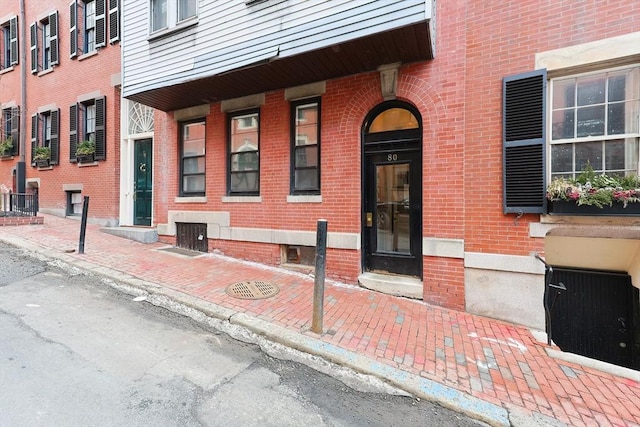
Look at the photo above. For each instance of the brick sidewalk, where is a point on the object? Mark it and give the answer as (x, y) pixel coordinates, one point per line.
(491, 360)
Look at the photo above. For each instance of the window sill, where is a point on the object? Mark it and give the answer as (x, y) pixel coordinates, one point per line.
(585, 220)
(180, 26)
(7, 70)
(45, 72)
(87, 55)
(5, 158)
(242, 199)
(187, 199)
(45, 168)
(85, 165)
(304, 198)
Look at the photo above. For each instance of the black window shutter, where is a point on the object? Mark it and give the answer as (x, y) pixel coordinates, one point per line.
(54, 142)
(73, 132)
(53, 37)
(73, 29)
(15, 130)
(33, 43)
(13, 40)
(34, 137)
(114, 21)
(101, 23)
(101, 142)
(524, 133)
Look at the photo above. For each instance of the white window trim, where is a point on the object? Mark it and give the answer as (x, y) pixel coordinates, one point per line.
(173, 25)
(617, 52)
(577, 140)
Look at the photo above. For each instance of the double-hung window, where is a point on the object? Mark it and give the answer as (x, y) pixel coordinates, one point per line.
(44, 43)
(187, 9)
(45, 129)
(11, 129)
(595, 119)
(9, 43)
(90, 122)
(305, 147)
(244, 153)
(88, 25)
(159, 15)
(192, 164)
(87, 122)
(166, 14)
(559, 127)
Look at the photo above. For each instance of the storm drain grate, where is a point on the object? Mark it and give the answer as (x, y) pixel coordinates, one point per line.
(252, 290)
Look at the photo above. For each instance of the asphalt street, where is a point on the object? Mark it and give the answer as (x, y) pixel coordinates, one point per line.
(77, 352)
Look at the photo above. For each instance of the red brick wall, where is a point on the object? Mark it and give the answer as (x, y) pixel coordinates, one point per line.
(444, 282)
(459, 95)
(61, 87)
(9, 94)
(502, 39)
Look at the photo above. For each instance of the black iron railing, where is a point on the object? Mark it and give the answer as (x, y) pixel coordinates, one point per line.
(19, 204)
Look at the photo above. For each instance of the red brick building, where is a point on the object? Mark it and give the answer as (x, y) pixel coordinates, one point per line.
(60, 86)
(425, 133)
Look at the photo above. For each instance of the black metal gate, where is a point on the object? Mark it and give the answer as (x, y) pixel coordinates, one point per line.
(598, 316)
(192, 236)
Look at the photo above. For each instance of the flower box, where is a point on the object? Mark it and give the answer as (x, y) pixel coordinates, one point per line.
(566, 207)
(85, 158)
(594, 193)
(42, 163)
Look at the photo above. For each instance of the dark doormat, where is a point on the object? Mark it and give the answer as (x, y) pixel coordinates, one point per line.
(182, 251)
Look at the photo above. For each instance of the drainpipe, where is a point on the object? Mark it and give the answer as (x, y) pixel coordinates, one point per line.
(21, 176)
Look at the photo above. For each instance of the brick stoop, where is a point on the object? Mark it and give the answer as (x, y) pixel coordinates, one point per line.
(20, 220)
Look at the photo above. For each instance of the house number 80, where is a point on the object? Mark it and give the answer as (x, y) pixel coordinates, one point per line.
(392, 157)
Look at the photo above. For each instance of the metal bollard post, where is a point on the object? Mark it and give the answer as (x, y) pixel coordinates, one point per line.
(318, 287)
(83, 224)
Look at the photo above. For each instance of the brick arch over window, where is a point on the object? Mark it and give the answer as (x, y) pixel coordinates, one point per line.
(410, 89)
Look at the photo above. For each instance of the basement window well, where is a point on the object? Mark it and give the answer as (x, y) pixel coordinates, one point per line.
(74, 203)
(300, 255)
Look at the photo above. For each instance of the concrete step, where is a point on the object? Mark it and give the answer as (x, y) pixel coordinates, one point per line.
(390, 284)
(139, 234)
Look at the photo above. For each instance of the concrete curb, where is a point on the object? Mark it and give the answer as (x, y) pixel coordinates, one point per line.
(415, 385)
(253, 328)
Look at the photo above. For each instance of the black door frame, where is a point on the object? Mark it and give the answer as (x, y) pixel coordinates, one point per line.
(378, 149)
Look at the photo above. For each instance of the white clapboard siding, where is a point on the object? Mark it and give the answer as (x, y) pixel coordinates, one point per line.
(230, 34)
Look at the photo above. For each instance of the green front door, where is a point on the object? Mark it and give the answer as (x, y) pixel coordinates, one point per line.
(143, 183)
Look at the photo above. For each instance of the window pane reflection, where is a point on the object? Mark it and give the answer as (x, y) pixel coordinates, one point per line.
(392, 208)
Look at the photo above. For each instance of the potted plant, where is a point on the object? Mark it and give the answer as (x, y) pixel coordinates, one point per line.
(595, 194)
(5, 147)
(41, 156)
(85, 151)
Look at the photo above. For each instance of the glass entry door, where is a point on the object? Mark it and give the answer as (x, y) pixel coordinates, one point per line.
(392, 190)
(392, 229)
